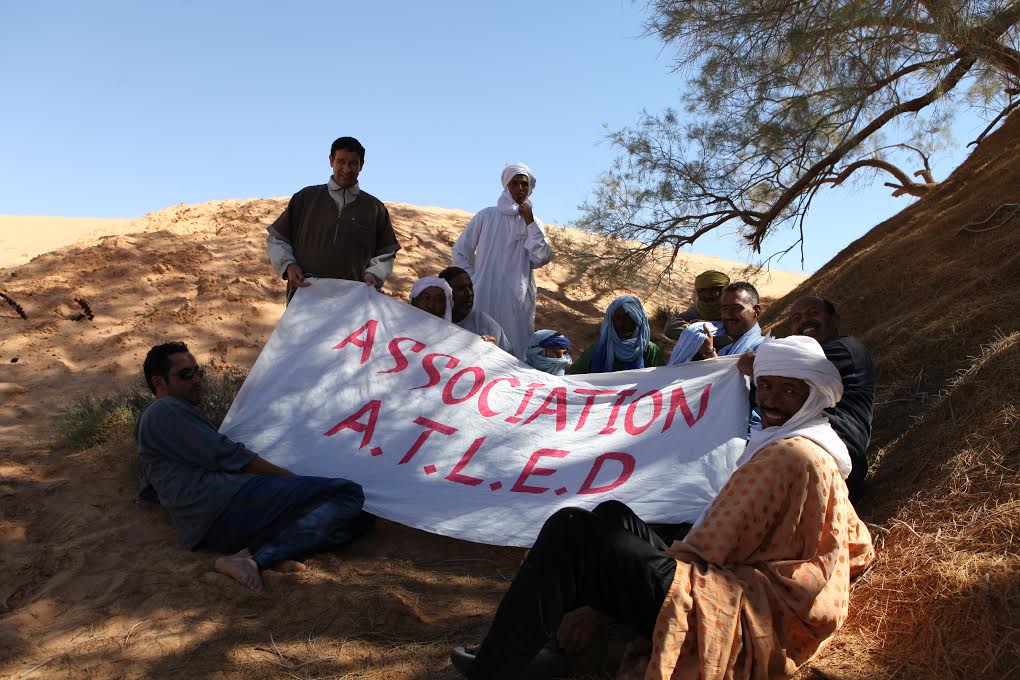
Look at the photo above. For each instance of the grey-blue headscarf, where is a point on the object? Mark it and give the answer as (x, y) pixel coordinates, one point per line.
(536, 358)
(630, 352)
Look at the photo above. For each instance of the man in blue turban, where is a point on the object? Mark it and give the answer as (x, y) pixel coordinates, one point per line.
(624, 341)
(549, 351)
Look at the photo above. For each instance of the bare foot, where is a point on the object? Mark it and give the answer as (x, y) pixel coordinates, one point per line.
(242, 568)
(289, 566)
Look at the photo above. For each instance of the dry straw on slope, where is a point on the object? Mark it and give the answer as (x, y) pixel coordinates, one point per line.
(944, 602)
(932, 301)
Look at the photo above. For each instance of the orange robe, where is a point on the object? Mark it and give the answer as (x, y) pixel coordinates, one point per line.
(762, 583)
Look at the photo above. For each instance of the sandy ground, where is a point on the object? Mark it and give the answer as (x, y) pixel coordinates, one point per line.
(96, 585)
(22, 238)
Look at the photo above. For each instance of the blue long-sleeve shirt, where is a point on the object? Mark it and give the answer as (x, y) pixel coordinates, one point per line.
(194, 470)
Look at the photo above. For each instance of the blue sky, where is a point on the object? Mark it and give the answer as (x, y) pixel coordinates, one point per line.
(119, 108)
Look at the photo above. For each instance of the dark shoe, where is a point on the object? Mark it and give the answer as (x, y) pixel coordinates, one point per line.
(463, 658)
(549, 663)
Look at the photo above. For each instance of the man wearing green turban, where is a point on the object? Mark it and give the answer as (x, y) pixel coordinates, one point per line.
(708, 287)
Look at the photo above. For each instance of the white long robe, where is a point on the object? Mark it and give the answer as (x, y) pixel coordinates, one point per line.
(499, 251)
(480, 323)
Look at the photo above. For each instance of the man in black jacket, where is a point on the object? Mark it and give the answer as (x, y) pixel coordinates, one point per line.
(817, 318)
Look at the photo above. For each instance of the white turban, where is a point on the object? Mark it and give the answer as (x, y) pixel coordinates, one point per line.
(506, 204)
(434, 281)
(801, 357)
(514, 169)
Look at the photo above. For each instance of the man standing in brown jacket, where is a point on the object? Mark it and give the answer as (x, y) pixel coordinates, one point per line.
(334, 230)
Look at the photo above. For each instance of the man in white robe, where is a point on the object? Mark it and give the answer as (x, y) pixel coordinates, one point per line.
(499, 248)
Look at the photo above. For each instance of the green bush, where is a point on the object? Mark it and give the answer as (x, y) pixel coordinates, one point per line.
(89, 421)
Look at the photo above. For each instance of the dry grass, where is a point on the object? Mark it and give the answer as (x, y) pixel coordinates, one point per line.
(944, 599)
(923, 294)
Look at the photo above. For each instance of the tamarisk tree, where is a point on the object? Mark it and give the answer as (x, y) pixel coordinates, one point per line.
(791, 96)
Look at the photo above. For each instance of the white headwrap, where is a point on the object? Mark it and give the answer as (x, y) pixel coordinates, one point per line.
(801, 357)
(506, 204)
(428, 282)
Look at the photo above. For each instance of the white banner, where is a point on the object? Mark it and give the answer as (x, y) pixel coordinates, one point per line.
(449, 434)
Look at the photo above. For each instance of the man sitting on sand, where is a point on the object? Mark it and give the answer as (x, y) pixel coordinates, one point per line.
(433, 295)
(226, 498)
(739, 311)
(469, 317)
(817, 318)
(624, 341)
(754, 590)
(549, 351)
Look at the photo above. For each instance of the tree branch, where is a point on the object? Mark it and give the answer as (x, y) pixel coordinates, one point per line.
(950, 81)
(981, 41)
(1002, 114)
(906, 185)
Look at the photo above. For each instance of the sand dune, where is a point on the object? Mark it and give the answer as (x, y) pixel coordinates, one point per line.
(22, 238)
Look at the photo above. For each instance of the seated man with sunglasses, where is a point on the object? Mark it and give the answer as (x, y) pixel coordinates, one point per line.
(226, 498)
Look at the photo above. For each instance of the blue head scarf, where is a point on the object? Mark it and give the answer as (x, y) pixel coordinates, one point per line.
(630, 352)
(536, 357)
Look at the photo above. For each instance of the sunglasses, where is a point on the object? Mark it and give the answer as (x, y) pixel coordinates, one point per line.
(189, 373)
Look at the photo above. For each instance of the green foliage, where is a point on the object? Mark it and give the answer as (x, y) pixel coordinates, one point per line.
(786, 98)
(89, 421)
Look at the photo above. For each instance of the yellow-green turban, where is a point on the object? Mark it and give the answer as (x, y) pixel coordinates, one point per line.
(711, 279)
(710, 311)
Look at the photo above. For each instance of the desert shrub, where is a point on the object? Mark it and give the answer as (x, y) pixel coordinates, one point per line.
(89, 420)
(221, 386)
(661, 315)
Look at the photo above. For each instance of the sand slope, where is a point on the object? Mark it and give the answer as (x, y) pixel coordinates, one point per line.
(96, 586)
(929, 292)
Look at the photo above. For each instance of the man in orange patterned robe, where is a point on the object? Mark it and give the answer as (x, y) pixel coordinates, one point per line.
(759, 584)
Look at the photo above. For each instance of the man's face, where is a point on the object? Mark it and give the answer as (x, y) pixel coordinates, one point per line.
(518, 187)
(709, 295)
(809, 317)
(555, 352)
(463, 296)
(623, 324)
(737, 312)
(779, 398)
(184, 380)
(346, 167)
(431, 300)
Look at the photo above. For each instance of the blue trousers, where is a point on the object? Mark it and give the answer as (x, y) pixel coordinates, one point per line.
(283, 518)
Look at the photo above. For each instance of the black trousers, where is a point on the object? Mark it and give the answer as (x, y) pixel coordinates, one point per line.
(608, 559)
